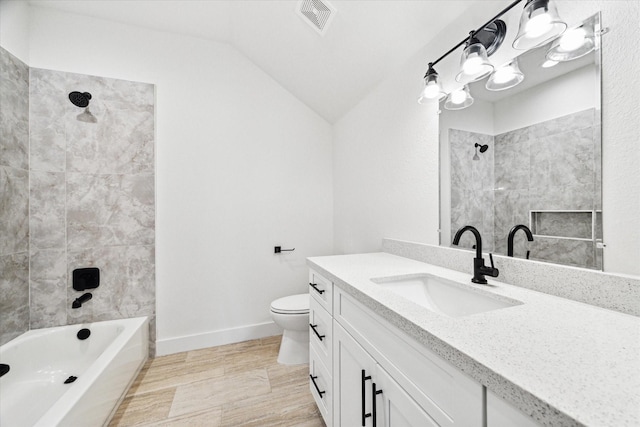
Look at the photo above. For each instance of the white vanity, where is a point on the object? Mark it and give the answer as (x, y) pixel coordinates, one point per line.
(381, 355)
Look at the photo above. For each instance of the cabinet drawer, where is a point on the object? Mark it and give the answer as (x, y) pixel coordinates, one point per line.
(320, 384)
(321, 332)
(322, 290)
(447, 395)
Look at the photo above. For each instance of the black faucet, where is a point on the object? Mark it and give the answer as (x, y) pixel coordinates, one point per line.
(83, 298)
(479, 269)
(512, 233)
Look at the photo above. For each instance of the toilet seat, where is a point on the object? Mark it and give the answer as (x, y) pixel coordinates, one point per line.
(292, 304)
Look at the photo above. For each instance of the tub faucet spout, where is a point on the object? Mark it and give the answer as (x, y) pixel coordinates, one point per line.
(79, 301)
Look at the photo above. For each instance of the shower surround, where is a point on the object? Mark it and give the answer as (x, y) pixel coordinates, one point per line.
(81, 195)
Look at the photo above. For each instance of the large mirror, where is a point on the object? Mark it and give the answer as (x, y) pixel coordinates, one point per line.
(529, 155)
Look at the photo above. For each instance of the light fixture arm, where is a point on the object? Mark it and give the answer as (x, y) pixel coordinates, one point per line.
(502, 12)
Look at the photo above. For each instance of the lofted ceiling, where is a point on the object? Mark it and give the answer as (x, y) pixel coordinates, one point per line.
(330, 73)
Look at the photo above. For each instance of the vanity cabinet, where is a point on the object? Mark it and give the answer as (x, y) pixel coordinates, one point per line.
(366, 395)
(378, 372)
(321, 344)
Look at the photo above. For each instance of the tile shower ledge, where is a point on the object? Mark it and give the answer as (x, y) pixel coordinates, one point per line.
(563, 362)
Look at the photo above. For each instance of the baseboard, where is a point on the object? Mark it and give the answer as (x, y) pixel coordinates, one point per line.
(216, 338)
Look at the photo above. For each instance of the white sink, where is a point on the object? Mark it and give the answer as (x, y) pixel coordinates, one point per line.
(444, 296)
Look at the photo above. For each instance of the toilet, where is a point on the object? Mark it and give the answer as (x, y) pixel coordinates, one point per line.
(292, 314)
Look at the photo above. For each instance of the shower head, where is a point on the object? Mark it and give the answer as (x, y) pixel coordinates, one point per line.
(483, 148)
(80, 99)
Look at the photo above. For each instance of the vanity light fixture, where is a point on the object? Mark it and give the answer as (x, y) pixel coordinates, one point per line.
(459, 99)
(480, 44)
(432, 88)
(505, 77)
(474, 64)
(574, 43)
(539, 23)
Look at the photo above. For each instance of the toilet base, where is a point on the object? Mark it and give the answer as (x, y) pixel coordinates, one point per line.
(294, 347)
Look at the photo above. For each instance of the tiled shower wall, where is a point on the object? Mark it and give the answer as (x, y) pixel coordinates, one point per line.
(553, 165)
(14, 197)
(92, 198)
(472, 185)
(74, 194)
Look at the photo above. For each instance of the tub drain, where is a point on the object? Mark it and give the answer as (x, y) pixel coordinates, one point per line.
(70, 379)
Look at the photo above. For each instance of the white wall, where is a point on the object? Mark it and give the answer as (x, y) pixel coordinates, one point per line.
(559, 97)
(241, 166)
(14, 28)
(386, 148)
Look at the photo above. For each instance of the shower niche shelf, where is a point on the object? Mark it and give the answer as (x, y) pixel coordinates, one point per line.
(566, 224)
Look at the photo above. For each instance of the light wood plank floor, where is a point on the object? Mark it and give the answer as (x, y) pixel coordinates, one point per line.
(228, 386)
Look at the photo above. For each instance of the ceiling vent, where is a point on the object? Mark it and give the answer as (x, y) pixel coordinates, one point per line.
(317, 13)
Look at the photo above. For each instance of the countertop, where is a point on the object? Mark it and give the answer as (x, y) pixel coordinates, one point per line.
(563, 362)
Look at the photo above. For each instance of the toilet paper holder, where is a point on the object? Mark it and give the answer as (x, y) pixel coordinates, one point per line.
(278, 249)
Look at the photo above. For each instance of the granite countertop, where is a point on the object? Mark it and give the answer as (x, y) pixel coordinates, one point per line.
(563, 362)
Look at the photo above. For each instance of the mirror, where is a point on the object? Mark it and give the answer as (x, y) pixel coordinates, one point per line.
(529, 155)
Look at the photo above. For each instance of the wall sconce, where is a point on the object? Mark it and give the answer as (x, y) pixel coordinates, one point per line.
(505, 77)
(539, 23)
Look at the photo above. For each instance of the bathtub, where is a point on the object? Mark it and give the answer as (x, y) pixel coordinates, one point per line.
(34, 393)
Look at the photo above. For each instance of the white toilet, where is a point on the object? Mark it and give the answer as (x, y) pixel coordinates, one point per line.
(292, 314)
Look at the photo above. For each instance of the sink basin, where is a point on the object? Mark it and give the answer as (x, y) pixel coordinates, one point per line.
(444, 296)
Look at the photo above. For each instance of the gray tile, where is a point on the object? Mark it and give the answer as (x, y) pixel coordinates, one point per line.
(47, 210)
(512, 165)
(49, 110)
(48, 300)
(14, 295)
(14, 111)
(563, 159)
(577, 253)
(127, 282)
(106, 210)
(14, 210)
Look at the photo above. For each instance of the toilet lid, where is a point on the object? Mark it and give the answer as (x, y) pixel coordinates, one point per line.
(293, 304)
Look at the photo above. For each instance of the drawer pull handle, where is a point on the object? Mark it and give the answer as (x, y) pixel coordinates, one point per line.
(320, 337)
(365, 378)
(374, 393)
(313, 380)
(314, 286)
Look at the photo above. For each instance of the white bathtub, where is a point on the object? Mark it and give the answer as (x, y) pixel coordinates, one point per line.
(33, 392)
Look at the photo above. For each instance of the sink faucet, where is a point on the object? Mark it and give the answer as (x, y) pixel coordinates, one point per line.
(479, 269)
(512, 233)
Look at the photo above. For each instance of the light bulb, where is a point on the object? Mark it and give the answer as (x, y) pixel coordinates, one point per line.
(472, 65)
(432, 90)
(573, 39)
(538, 25)
(549, 63)
(458, 96)
(503, 75)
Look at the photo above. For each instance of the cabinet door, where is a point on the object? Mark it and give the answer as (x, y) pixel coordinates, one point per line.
(394, 407)
(353, 369)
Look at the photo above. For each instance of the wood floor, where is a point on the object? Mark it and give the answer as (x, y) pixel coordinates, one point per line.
(229, 386)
